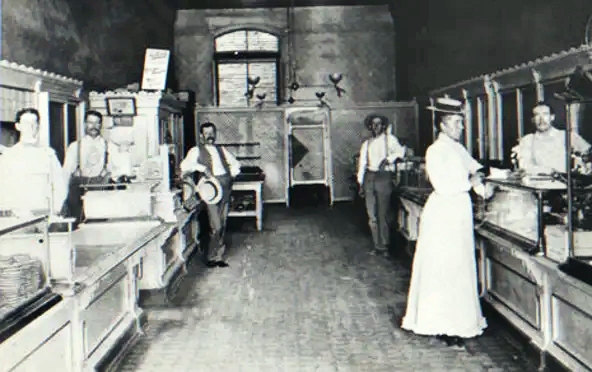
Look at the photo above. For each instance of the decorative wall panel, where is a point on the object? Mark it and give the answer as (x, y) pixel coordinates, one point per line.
(247, 126)
(266, 126)
(348, 133)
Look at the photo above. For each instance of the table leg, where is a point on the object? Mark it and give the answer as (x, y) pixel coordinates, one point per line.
(259, 209)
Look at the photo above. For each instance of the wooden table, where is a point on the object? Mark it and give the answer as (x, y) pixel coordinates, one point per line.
(257, 188)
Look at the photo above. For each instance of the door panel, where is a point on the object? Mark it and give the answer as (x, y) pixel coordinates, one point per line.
(307, 155)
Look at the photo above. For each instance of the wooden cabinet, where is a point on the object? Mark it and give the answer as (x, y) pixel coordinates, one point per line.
(57, 98)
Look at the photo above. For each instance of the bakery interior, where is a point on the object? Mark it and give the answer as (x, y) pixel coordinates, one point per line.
(288, 85)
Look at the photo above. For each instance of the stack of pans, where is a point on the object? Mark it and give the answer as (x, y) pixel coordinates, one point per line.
(21, 278)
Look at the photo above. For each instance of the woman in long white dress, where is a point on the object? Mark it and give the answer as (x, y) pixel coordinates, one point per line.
(443, 299)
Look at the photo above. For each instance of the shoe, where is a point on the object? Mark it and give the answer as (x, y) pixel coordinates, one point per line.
(459, 342)
(222, 264)
(446, 339)
(212, 264)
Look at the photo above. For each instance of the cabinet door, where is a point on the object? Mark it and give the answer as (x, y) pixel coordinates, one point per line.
(56, 129)
(72, 124)
(509, 122)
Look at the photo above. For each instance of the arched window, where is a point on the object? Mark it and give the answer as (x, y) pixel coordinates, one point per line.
(243, 54)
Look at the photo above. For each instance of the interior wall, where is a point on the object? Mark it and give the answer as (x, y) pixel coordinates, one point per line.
(471, 40)
(443, 42)
(355, 41)
(99, 42)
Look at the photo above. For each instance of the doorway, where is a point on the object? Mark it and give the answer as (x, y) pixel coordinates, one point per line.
(309, 166)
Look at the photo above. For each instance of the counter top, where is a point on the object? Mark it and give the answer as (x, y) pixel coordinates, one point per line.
(417, 195)
(20, 317)
(540, 183)
(102, 246)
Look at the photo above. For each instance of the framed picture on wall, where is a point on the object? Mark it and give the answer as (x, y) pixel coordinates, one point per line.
(123, 121)
(124, 106)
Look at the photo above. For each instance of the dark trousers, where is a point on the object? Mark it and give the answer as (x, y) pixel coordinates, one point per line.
(73, 206)
(217, 215)
(378, 189)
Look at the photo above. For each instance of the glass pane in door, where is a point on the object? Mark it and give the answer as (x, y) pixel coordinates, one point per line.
(307, 155)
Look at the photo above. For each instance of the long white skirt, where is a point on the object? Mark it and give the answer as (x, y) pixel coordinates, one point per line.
(443, 297)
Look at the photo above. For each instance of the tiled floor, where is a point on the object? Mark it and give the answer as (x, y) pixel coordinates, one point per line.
(303, 295)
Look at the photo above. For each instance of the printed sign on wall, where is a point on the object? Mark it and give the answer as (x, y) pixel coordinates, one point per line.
(156, 65)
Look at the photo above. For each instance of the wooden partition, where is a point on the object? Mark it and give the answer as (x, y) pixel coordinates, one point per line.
(242, 127)
(499, 105)
(552, 308)
(56, 97)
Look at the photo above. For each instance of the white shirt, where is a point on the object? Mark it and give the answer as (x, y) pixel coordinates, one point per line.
(92, 157)
(190, 164)
(31, 179)
(375, 150)
(545, 152)
(449, 164)
(120, 160)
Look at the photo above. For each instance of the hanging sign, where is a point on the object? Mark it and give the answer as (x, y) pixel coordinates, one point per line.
(156, 65)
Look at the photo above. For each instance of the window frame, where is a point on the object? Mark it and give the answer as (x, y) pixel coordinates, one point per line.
(245, 56)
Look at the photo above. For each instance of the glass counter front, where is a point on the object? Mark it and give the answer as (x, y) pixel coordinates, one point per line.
(533, 217)
(410, 173)
(23, 262)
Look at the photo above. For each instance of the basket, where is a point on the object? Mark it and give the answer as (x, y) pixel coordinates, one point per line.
(21, 277)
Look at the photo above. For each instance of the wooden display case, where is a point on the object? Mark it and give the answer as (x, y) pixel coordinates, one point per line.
(542, 287)
(156, 129)
(57, 98)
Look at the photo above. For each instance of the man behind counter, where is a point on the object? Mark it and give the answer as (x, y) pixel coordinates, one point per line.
(86, 163)
(26, 169)
(543, 152)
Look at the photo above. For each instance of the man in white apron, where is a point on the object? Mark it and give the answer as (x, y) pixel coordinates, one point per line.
(543, 152)
(31, 179)
(375, 178)
(212, 160)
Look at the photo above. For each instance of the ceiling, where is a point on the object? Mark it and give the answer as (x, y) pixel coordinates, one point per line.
(234, 4)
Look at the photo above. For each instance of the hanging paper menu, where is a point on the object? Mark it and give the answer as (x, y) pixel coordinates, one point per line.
(156, 65)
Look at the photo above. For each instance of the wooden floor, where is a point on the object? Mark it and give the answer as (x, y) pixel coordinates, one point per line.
(303, 295)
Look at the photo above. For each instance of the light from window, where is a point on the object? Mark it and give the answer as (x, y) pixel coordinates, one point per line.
(257, 58)
(243, 41)
(232, 82)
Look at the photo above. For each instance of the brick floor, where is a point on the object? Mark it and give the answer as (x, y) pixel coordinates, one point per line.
(303, 295)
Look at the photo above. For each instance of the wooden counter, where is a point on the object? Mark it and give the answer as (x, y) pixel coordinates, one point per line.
(99, 307)
(551, 308)
(165, 262)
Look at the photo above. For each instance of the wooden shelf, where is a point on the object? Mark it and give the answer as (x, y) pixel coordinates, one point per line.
(248, 157)
(239, 144)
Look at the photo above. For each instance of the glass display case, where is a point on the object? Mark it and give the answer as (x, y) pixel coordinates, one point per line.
(518, 213)
(410, 173)
(411, 179)
(24, 262)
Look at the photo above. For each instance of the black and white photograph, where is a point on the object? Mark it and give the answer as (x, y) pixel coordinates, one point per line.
(295, 186)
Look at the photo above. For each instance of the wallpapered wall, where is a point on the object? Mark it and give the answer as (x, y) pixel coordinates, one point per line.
(99, 42)
(356, 41)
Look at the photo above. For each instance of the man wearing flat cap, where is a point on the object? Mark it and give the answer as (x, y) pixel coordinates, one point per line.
(375, 178)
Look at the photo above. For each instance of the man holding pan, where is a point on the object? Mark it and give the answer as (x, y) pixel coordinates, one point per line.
(375, 178)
